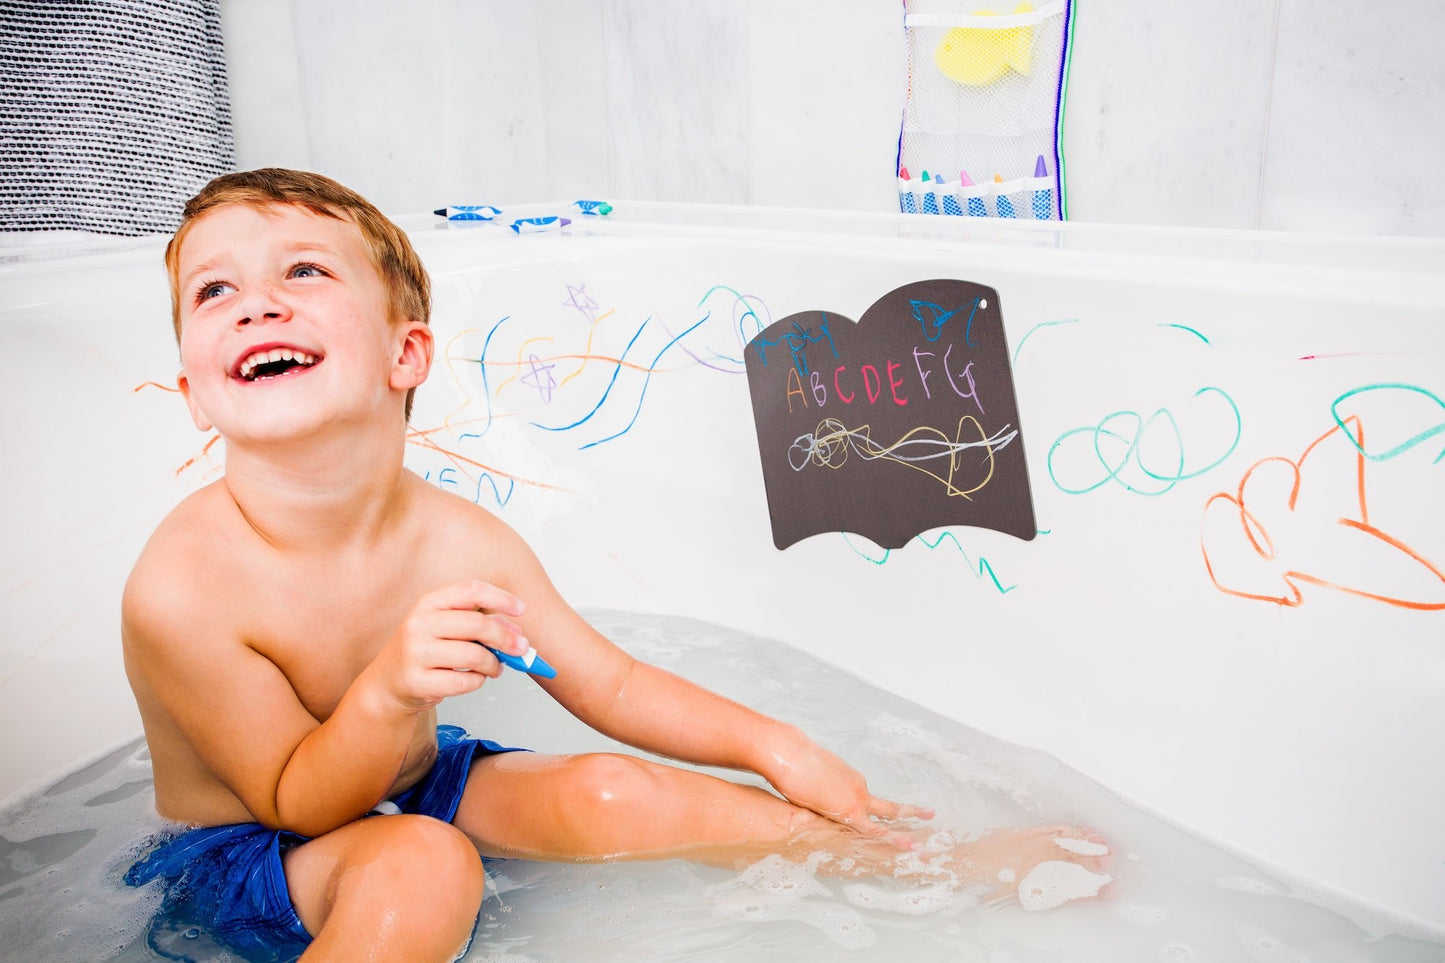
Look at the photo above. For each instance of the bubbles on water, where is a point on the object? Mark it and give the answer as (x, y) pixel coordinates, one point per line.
(1054, 883)
(1137, 915)
(1081, 847)
(776, 889)
(1180, 953)
(908, 900)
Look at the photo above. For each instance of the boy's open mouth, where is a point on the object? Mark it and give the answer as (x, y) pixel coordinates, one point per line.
(274, 363)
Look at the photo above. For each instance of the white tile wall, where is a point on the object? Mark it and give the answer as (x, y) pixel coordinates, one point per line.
(1282, 114)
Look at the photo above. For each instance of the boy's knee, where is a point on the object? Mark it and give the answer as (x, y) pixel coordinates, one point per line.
(419, 855)
(610, 781)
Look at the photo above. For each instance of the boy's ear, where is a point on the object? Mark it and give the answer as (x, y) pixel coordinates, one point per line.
(414, 357)
(197, 415)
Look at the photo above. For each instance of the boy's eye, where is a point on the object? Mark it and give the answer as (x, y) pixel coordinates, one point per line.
(212, 289)
(305, 270)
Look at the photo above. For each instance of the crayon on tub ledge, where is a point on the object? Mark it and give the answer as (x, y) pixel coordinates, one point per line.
(538, 225)
(468, 212)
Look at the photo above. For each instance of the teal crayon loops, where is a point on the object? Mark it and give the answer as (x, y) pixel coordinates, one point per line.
(1184, 327)
(1418, 439)
(593, 208)
(468, 212)
(537, 225)
(1131, 443)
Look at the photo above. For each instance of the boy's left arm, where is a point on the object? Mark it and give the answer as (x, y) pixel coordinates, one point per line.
(659, 712)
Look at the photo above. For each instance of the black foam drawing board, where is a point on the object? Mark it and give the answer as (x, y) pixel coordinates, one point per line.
(899, 423)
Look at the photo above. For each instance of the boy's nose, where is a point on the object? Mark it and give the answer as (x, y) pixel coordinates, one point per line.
(263, 304)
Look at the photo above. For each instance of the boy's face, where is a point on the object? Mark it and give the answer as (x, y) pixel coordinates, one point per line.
(284, 328)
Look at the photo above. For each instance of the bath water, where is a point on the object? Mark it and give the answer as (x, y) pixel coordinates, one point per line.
(1175, 899)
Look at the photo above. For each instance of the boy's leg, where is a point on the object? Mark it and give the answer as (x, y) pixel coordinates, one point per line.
(386, 888)
(599, 806)
(604, 806)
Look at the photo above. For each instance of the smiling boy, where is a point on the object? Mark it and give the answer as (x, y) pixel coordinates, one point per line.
(290, 629)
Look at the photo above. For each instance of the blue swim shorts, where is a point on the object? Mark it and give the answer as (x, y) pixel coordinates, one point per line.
(228, 882)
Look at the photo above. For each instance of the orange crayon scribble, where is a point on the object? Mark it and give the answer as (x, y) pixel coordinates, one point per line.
(1381, 546)
(173, 389)
(205, 452)
(421, 439)
(587, 349)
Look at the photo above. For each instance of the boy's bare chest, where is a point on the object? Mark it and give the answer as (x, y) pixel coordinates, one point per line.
(322, 628)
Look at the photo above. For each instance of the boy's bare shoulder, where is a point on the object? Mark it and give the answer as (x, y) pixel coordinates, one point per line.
(181, 566)
(451, 523)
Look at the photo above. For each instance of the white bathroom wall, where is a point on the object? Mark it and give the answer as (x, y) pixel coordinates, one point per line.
(1284, 115)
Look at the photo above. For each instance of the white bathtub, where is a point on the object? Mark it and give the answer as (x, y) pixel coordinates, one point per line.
(1308, 734)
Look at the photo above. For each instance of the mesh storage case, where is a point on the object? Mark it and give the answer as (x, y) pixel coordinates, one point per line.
(111, 114)
(985, 101)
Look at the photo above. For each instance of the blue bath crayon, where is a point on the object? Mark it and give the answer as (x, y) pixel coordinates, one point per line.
(529, 662)
(1044, 197)
(593, 207)
(1003, 204)
(974, 195)
(930, 199)
(947, 196)
(536, 225)
(906, 202)
(467, 212)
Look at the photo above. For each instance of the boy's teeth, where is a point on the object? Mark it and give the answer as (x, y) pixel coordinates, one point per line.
(252, 362)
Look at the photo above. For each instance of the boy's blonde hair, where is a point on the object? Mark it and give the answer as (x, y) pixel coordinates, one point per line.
(407, 283)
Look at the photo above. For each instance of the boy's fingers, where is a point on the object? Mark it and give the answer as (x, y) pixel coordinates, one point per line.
(888, 809)
(476, 594)
(464, 625)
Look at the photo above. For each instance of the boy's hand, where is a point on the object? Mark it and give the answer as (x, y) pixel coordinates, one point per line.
(440, 649)
(814, 778)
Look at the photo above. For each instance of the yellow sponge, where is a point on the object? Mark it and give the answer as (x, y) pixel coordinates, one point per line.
(978, 56)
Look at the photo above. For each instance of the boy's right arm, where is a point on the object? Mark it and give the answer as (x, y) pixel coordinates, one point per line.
(241, 717)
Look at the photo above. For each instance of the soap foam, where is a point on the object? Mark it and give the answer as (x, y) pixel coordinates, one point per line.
(1055, 883)
(910, 901)
(776, 888)
(1081, 847)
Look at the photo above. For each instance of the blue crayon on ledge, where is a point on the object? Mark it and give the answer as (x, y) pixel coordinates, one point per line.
(596, 208)
(947, 198)
(468, 212)
(529, 662)
(930, 199)
(536, 225)
(1043, 197)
